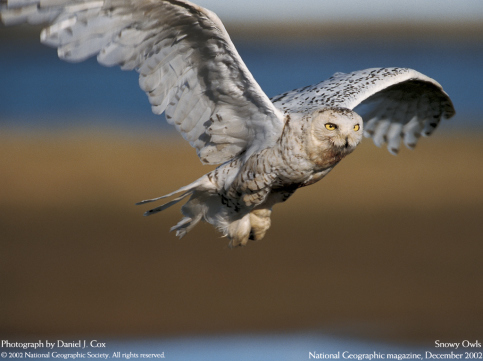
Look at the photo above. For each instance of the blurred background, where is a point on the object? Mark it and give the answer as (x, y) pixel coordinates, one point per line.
(385, 249)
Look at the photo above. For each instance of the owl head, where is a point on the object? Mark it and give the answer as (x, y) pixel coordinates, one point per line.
(334, 133)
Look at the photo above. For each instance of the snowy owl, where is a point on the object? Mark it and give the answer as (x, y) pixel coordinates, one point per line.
(267, 148)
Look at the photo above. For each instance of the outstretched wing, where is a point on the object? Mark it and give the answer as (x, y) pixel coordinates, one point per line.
(395, 103)
(188, 65)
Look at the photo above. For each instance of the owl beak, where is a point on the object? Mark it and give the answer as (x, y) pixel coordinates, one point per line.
(347, 142)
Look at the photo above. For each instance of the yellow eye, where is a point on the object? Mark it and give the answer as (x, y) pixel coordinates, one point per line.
(357, 127)
(331, 126)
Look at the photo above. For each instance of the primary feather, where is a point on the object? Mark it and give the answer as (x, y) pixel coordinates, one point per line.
(191, 72)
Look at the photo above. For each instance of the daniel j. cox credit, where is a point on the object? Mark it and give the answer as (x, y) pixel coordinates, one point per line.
(61, 349)
(78, 344)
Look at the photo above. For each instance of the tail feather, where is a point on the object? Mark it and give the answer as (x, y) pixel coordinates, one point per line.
(194, 210)
(166, 205)
(189, 188)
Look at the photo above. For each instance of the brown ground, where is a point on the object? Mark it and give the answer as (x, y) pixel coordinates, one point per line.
(384, 247)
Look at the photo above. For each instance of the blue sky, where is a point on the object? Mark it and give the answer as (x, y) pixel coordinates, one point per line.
(325, 10)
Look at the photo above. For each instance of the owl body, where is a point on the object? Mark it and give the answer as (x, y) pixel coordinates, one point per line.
(238, 196)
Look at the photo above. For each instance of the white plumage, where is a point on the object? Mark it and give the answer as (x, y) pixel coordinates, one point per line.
(191, 71)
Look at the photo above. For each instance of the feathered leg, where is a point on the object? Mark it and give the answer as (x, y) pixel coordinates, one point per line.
(239, 231)
(260, 223)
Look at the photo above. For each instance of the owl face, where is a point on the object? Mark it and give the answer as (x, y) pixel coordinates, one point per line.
(334, 133)
(338, 128)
